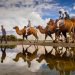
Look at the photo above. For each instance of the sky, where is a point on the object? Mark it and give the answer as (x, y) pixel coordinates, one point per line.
(18, 12)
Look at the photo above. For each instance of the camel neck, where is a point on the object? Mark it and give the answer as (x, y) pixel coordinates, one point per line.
(18, 31)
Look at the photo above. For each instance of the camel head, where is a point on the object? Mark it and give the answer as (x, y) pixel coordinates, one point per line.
(39, 26)
(51, 22)
(15, 27)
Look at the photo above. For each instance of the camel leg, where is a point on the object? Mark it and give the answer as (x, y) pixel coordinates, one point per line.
(36, 38)
(26, 36)
(45, 37)
(51, 37)
(22, 40)
(72, 32)
(28, 40)
(64, 33)
(49, 33)
(56, 37)
(73, 35)
(16, 59)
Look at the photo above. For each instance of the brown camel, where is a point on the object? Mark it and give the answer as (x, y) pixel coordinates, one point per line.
(20, 32)
(26, 56)
(30, 31)
(48, 30)
(66, 28)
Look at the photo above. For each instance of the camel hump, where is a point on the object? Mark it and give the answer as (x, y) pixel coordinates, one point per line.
(67, 20)
(32, 29)
(68, 24)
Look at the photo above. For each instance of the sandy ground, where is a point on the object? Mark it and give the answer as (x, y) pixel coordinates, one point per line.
(46, 43)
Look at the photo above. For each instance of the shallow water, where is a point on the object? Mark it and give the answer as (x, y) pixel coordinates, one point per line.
(37, 60)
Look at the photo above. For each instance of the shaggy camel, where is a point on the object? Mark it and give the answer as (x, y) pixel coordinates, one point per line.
(21, 32)
(30, 31)
(26, 56)
(68, 27)
(48, 30)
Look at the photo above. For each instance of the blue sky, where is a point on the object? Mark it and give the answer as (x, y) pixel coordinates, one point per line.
(46, 8)
(67, 5)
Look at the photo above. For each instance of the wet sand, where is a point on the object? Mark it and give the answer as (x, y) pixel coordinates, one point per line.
(46, 43)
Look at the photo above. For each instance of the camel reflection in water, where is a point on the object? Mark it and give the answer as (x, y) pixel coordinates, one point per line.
(63, 59)
(64, 62)
(26, 56)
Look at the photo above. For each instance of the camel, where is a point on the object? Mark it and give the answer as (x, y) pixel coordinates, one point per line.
(48, 30)
(26, 56)
(29, 31)
(20, 32)
(32, 31)
(61, 64)
(67, 28)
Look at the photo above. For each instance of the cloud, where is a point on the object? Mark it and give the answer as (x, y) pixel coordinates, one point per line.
(10, 21)
(51, 10)
(74, 7)
(72, 15)
(17, 12)
(47, 8)
(22, 3)
(36, 19)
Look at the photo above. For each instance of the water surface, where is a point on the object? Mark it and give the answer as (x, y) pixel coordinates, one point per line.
(37, 60)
